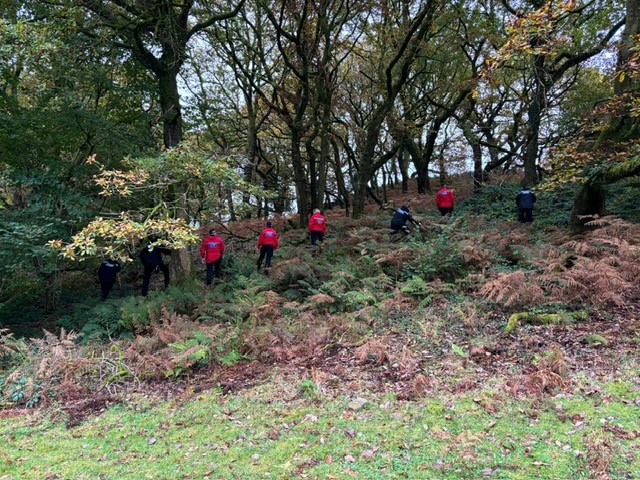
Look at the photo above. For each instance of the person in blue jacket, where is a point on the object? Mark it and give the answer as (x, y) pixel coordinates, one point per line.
(525, 201)
(107, 273)
(399, 220)
(151, 259)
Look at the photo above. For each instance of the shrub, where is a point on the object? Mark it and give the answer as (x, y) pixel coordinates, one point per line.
(139, 312)
(437, 259)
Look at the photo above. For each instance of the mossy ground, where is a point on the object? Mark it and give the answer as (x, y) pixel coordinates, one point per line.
(260, 434)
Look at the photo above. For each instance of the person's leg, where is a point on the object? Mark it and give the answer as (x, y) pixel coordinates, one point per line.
(209, 273)
(165, 270)
(148, 270)
(263, 252)
(320, 236)
(105, 288)
(217, 269)
(528, 215)
(521, 215)
(314, 237)
(269, 255)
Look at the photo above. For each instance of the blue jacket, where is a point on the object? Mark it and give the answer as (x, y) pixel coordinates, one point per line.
(400, 218)
(525, 199)
(108, 270)
(153, 257)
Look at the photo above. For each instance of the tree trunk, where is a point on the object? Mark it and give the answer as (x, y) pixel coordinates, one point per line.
(342, 188)
(403, 163)
(478, 172)
(300, 177)
(627, 83)
(589, 200)
(170, 105)
(252, 149)
(534, 116)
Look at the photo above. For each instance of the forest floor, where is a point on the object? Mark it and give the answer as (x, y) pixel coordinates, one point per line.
(435, 389)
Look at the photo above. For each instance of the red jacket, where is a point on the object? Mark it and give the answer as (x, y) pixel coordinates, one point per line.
(212, 248)
(445, 198)
(317, 223)
(268, 236)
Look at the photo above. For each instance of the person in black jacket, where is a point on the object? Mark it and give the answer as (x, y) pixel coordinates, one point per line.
(107, 273)
(151, 258)
(525, 201)
(399, 220)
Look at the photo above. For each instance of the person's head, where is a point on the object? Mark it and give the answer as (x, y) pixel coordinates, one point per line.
(268, 224)
(212, 231)
(316, 210)
(524, 187)
(405, 208)
(443, 185)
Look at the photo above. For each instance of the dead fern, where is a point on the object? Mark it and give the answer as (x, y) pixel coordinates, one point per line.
(374, 351)
(602, 267)
(513, 289)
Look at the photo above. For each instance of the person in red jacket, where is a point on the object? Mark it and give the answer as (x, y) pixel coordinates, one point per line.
(211, 252)
(267, 244)
(445, 200)
(317, 227)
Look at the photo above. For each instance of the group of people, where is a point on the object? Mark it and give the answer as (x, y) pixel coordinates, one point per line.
(211, 250)
(212, 247)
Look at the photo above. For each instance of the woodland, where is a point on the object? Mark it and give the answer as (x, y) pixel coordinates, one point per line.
(476, 346)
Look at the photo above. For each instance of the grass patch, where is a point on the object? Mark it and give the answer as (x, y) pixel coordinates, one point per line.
(257, 434)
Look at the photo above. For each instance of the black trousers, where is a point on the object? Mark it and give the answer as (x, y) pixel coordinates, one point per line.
(525, 215)
(148, 270)
(105, 288)
(265, 251)
(316, 237)
(445, 210)
(213, 268)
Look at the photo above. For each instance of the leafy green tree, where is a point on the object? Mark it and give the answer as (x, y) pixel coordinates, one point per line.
(61, 100)
(551, 40)
(607, 147)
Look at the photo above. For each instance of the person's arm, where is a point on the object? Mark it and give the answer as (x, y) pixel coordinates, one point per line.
(277, 244)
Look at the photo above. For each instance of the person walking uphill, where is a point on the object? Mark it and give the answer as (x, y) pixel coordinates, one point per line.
(399, 220)
(107, 273)
(525, 201)
(267, 244)
(211, 252)
(317, 227)
(151, 258)
(445, 199)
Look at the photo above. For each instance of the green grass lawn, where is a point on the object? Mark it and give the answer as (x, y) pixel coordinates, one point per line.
(256, 434)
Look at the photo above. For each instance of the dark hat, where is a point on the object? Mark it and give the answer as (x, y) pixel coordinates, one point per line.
(405, 208)
(212, 231)
(268, 224)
